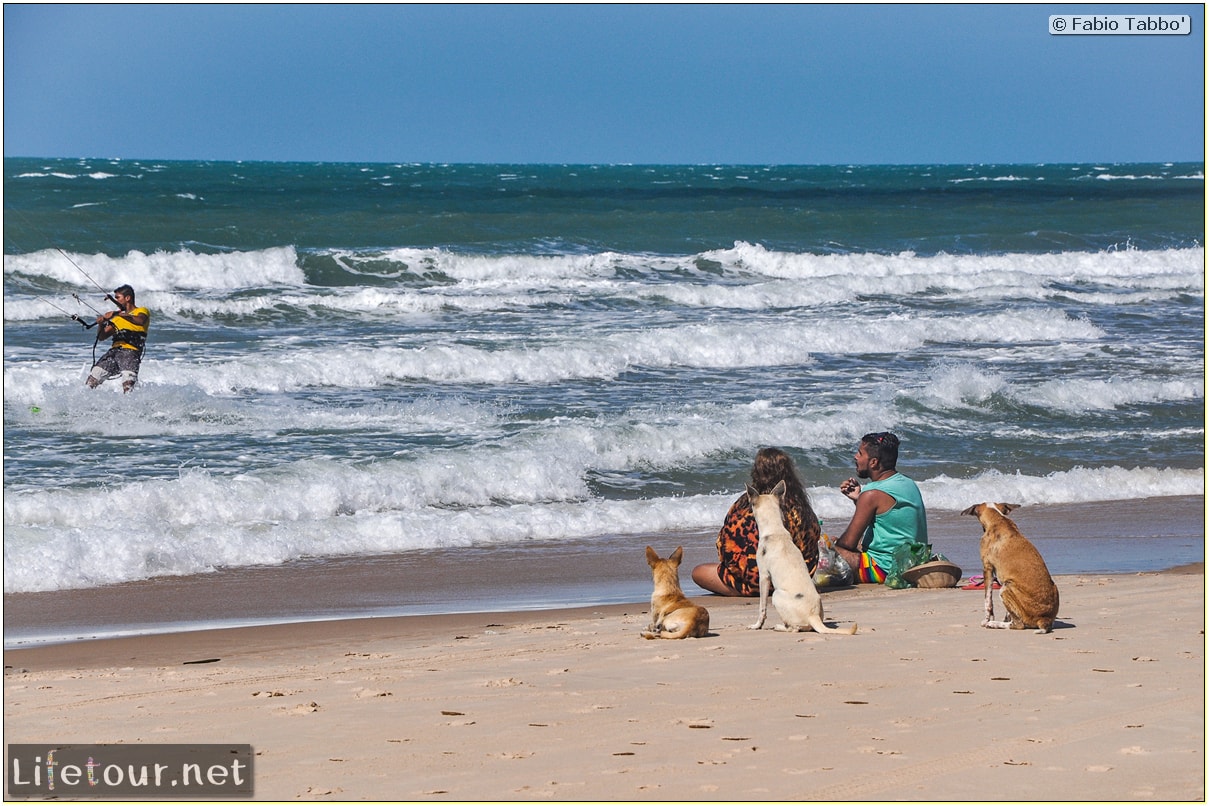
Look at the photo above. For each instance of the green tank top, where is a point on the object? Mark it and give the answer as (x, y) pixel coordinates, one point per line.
(905, 522)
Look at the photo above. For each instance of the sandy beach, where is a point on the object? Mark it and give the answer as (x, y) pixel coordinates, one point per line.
(921, 704)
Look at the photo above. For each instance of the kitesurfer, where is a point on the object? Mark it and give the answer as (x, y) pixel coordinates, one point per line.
(128, 329)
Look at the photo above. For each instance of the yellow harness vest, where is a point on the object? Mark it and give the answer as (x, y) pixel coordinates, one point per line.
(127, 334)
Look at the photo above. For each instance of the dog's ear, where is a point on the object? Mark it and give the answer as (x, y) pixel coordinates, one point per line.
(651, 557)
(974, 510)
(676, 555)
(1006, 508)
(751, 493)
(779, 490)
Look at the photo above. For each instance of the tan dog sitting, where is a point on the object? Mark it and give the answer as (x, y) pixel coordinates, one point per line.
(673, 615)
(783, 568)
(1029, 593)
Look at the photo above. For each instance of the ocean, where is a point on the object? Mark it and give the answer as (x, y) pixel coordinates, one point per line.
(354, 360)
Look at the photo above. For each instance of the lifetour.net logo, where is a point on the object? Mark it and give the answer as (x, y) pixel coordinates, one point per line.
(71, 771)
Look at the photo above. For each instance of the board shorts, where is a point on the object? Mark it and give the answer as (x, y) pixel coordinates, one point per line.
(869, 570)
(117, 362)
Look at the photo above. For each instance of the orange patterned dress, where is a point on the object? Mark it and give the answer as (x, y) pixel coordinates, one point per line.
(739, 537)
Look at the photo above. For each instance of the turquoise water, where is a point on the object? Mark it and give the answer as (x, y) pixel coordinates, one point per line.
(346, 359)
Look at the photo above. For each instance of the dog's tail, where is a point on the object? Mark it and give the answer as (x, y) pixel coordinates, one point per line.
(819, 626)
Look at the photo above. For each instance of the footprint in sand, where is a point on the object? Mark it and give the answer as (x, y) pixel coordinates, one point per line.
(318, 791)
(505, 683)
(366, 693)
(301, 708)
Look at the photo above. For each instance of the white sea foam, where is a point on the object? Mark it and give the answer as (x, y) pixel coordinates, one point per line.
(163, 271)
(1107, 177)
(562, 356)
(762, 296)
(1087, 395)
(202, 522)
(1182, 267)
(1004, 178)
(967, 385)
(762, 278)
(1062, 487)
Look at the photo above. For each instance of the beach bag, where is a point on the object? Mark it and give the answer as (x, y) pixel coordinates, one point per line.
(833, 571)
(902, 561)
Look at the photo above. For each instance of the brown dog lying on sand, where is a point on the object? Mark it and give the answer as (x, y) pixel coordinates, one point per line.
(1029, 593)
(673, 615)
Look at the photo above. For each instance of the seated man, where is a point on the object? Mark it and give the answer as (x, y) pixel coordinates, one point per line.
(889, 510)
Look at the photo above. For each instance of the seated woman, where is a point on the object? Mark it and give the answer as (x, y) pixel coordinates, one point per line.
(736, 573)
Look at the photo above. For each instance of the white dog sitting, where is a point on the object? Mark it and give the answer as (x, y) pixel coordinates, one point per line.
(782, 566)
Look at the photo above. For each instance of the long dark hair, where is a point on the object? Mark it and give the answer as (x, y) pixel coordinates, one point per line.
(773, 465)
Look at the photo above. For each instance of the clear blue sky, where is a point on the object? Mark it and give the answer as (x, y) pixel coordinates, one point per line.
(690, 83)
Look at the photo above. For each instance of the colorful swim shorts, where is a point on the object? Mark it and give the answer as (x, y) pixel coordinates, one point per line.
(870, 571)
